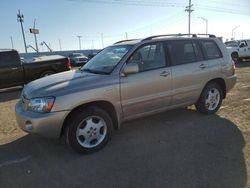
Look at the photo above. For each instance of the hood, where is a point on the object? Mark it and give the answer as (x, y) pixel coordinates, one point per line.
(61, 83)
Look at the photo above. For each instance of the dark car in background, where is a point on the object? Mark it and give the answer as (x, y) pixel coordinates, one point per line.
(14, 71)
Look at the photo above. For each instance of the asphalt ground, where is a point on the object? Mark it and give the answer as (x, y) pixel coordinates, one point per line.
(179, 148)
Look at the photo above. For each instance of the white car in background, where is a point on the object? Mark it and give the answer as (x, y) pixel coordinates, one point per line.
(78, 59)
(81, 60)
(239, 49)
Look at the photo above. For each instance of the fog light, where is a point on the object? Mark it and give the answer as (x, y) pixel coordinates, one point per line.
(28, 126)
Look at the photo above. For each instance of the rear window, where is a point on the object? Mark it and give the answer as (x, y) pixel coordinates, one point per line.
(9, 58)
(210, 49)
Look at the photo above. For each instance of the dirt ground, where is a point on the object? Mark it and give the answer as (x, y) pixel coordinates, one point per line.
(179, 148)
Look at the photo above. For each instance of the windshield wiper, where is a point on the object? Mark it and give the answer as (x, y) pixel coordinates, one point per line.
(94, 71)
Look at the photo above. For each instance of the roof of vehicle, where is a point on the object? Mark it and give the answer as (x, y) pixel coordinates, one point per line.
(82, 56)
(165, 37)
(6, 50)
(47, 58)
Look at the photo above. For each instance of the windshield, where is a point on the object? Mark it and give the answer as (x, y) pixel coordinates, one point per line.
(105, 61)
(232, 43)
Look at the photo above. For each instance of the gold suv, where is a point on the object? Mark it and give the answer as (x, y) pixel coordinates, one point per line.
(130, 79)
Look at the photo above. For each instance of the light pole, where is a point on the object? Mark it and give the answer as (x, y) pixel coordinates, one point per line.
(60, 46)
(79, 38)
(206, 20)
(12, 45)
(34, 27)
(102, 40)
(126, 34)
(20, 18)
(233, 33)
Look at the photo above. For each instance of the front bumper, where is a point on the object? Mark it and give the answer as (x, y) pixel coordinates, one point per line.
(45, 124)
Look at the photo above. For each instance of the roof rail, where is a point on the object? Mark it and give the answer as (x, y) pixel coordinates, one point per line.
(209, 35)
(178, 35)
(124, 41)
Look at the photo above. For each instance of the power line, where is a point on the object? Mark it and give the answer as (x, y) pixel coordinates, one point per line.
(218, 9)
(134, 2)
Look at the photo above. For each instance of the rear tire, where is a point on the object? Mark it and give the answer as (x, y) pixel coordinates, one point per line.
(89, 130)
(47, 73)
(210, 99)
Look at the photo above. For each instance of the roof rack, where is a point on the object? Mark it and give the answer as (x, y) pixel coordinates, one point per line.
(178, 35)
(124, 41)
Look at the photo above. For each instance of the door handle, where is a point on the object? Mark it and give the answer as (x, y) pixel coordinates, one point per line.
(202, 66)
(14, 68)
(164, 73)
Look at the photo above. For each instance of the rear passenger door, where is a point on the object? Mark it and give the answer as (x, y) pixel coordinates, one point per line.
(189, 70)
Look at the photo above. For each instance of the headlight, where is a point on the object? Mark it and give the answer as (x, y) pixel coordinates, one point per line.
(41, 104)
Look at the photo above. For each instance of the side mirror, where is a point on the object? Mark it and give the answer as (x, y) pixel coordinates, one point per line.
(131, 68)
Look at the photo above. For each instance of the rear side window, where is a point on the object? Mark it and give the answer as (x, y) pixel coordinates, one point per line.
(9, 58)
(183, 52)
(210, 49)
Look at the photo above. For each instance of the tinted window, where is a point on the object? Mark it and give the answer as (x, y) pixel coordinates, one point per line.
(183, 52)
(149, 57)
(211, 50)
(9, 58)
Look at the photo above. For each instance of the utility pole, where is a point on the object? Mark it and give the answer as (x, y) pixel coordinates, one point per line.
(79, 38)
(102, 40)
(126, 34)
(206, 20)
(189, 10)
(12, 45)
(20, 18)
(34, 27)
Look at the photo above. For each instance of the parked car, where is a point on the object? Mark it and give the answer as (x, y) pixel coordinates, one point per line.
(127, 80)
(15, 72)
(239, 49)
(91, 55)
(78, 59)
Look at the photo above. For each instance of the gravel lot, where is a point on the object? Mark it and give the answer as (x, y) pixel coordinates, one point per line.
(179, 148)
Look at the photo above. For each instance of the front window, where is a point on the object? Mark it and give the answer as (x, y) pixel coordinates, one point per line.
(149, 57)
(105, 61)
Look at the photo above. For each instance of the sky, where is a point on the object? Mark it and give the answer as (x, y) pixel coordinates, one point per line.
(102, 22)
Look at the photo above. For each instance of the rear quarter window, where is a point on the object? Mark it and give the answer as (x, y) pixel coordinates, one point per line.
(210, 49)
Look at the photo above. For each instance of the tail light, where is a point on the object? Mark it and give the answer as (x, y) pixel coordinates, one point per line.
(68, 64)
(233, 66)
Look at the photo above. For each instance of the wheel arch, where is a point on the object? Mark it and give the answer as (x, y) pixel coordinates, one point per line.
(45, 71)
(221, 82)
(104, 105)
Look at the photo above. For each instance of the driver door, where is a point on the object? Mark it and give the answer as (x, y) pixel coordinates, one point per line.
(148, 90)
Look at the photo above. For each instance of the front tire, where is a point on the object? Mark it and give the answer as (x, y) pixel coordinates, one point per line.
(89, 130)
(210, 99)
